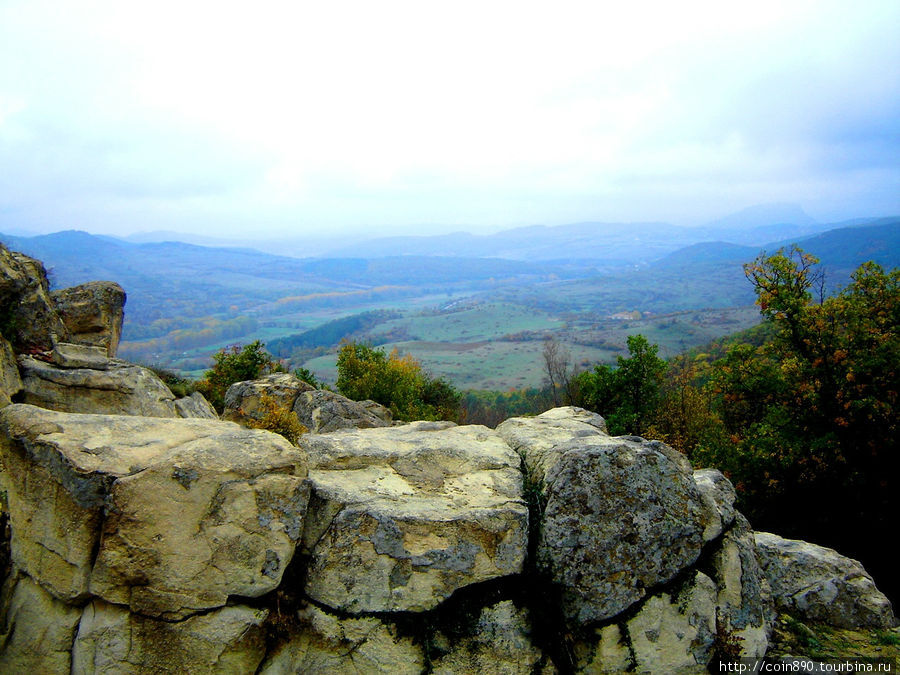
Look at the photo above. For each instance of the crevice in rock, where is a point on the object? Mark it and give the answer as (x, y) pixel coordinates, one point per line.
(5, 542)
(282, 623)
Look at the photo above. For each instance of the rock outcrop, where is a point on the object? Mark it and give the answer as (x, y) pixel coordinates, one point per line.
(92, 313)
(323, 411)
(167, 517)
(28, 317)
(817, 583)
(242, 400)
(80, 379)
(195, 406)
(318, 410)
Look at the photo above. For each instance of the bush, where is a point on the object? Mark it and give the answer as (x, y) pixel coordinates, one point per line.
(278, 419)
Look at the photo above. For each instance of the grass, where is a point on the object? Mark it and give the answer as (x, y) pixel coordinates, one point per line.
(476, 324)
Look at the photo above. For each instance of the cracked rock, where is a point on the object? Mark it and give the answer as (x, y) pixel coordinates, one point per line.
(401, 517)
(167, 516)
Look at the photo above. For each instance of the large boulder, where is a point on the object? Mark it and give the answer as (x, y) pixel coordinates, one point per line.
(28, 317)
(242, 400)
(325, 643)
(36, 629)
(10, 382)
(622, 515)
(92, 313)
(819, 584)
(80, 379)
(167, 516)
(402, 517)
(322, 411)
(112, 641)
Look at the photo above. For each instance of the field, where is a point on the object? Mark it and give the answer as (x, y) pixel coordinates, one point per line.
(474, 348)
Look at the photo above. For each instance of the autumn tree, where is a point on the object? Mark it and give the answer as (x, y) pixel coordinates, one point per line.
(395, 381)
(811, 416)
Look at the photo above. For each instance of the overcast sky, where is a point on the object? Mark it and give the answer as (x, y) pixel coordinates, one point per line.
(320, 118)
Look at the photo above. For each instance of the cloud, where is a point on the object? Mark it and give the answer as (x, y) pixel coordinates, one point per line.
(290, 115)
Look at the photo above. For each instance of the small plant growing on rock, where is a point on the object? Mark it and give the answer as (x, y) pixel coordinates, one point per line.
(279, 419)
(726, 645)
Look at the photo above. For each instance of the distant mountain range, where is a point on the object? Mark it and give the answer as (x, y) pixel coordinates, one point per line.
(602, 242)
(532, 253)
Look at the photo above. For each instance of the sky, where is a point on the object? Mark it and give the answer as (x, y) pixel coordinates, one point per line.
(346, 118)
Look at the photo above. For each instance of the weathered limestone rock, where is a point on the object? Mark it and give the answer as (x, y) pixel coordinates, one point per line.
(819, 584)
(622, 515)
(607, 652)
(112, 387)
(112, 641)
(718, 497)
(10, 382)
(500, 644)
(744, 600)
(179, 514)
(195, 406)
(242, 398)
(323, 411)
(328, 644)
(535, 438)
(401, 517)
(674, 633)
(93, 313)
(36, 630)
(27, 313)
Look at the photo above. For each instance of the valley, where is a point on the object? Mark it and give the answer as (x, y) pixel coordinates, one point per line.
(480, 322)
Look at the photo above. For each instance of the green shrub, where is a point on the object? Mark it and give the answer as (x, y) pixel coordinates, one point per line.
(234, 364)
